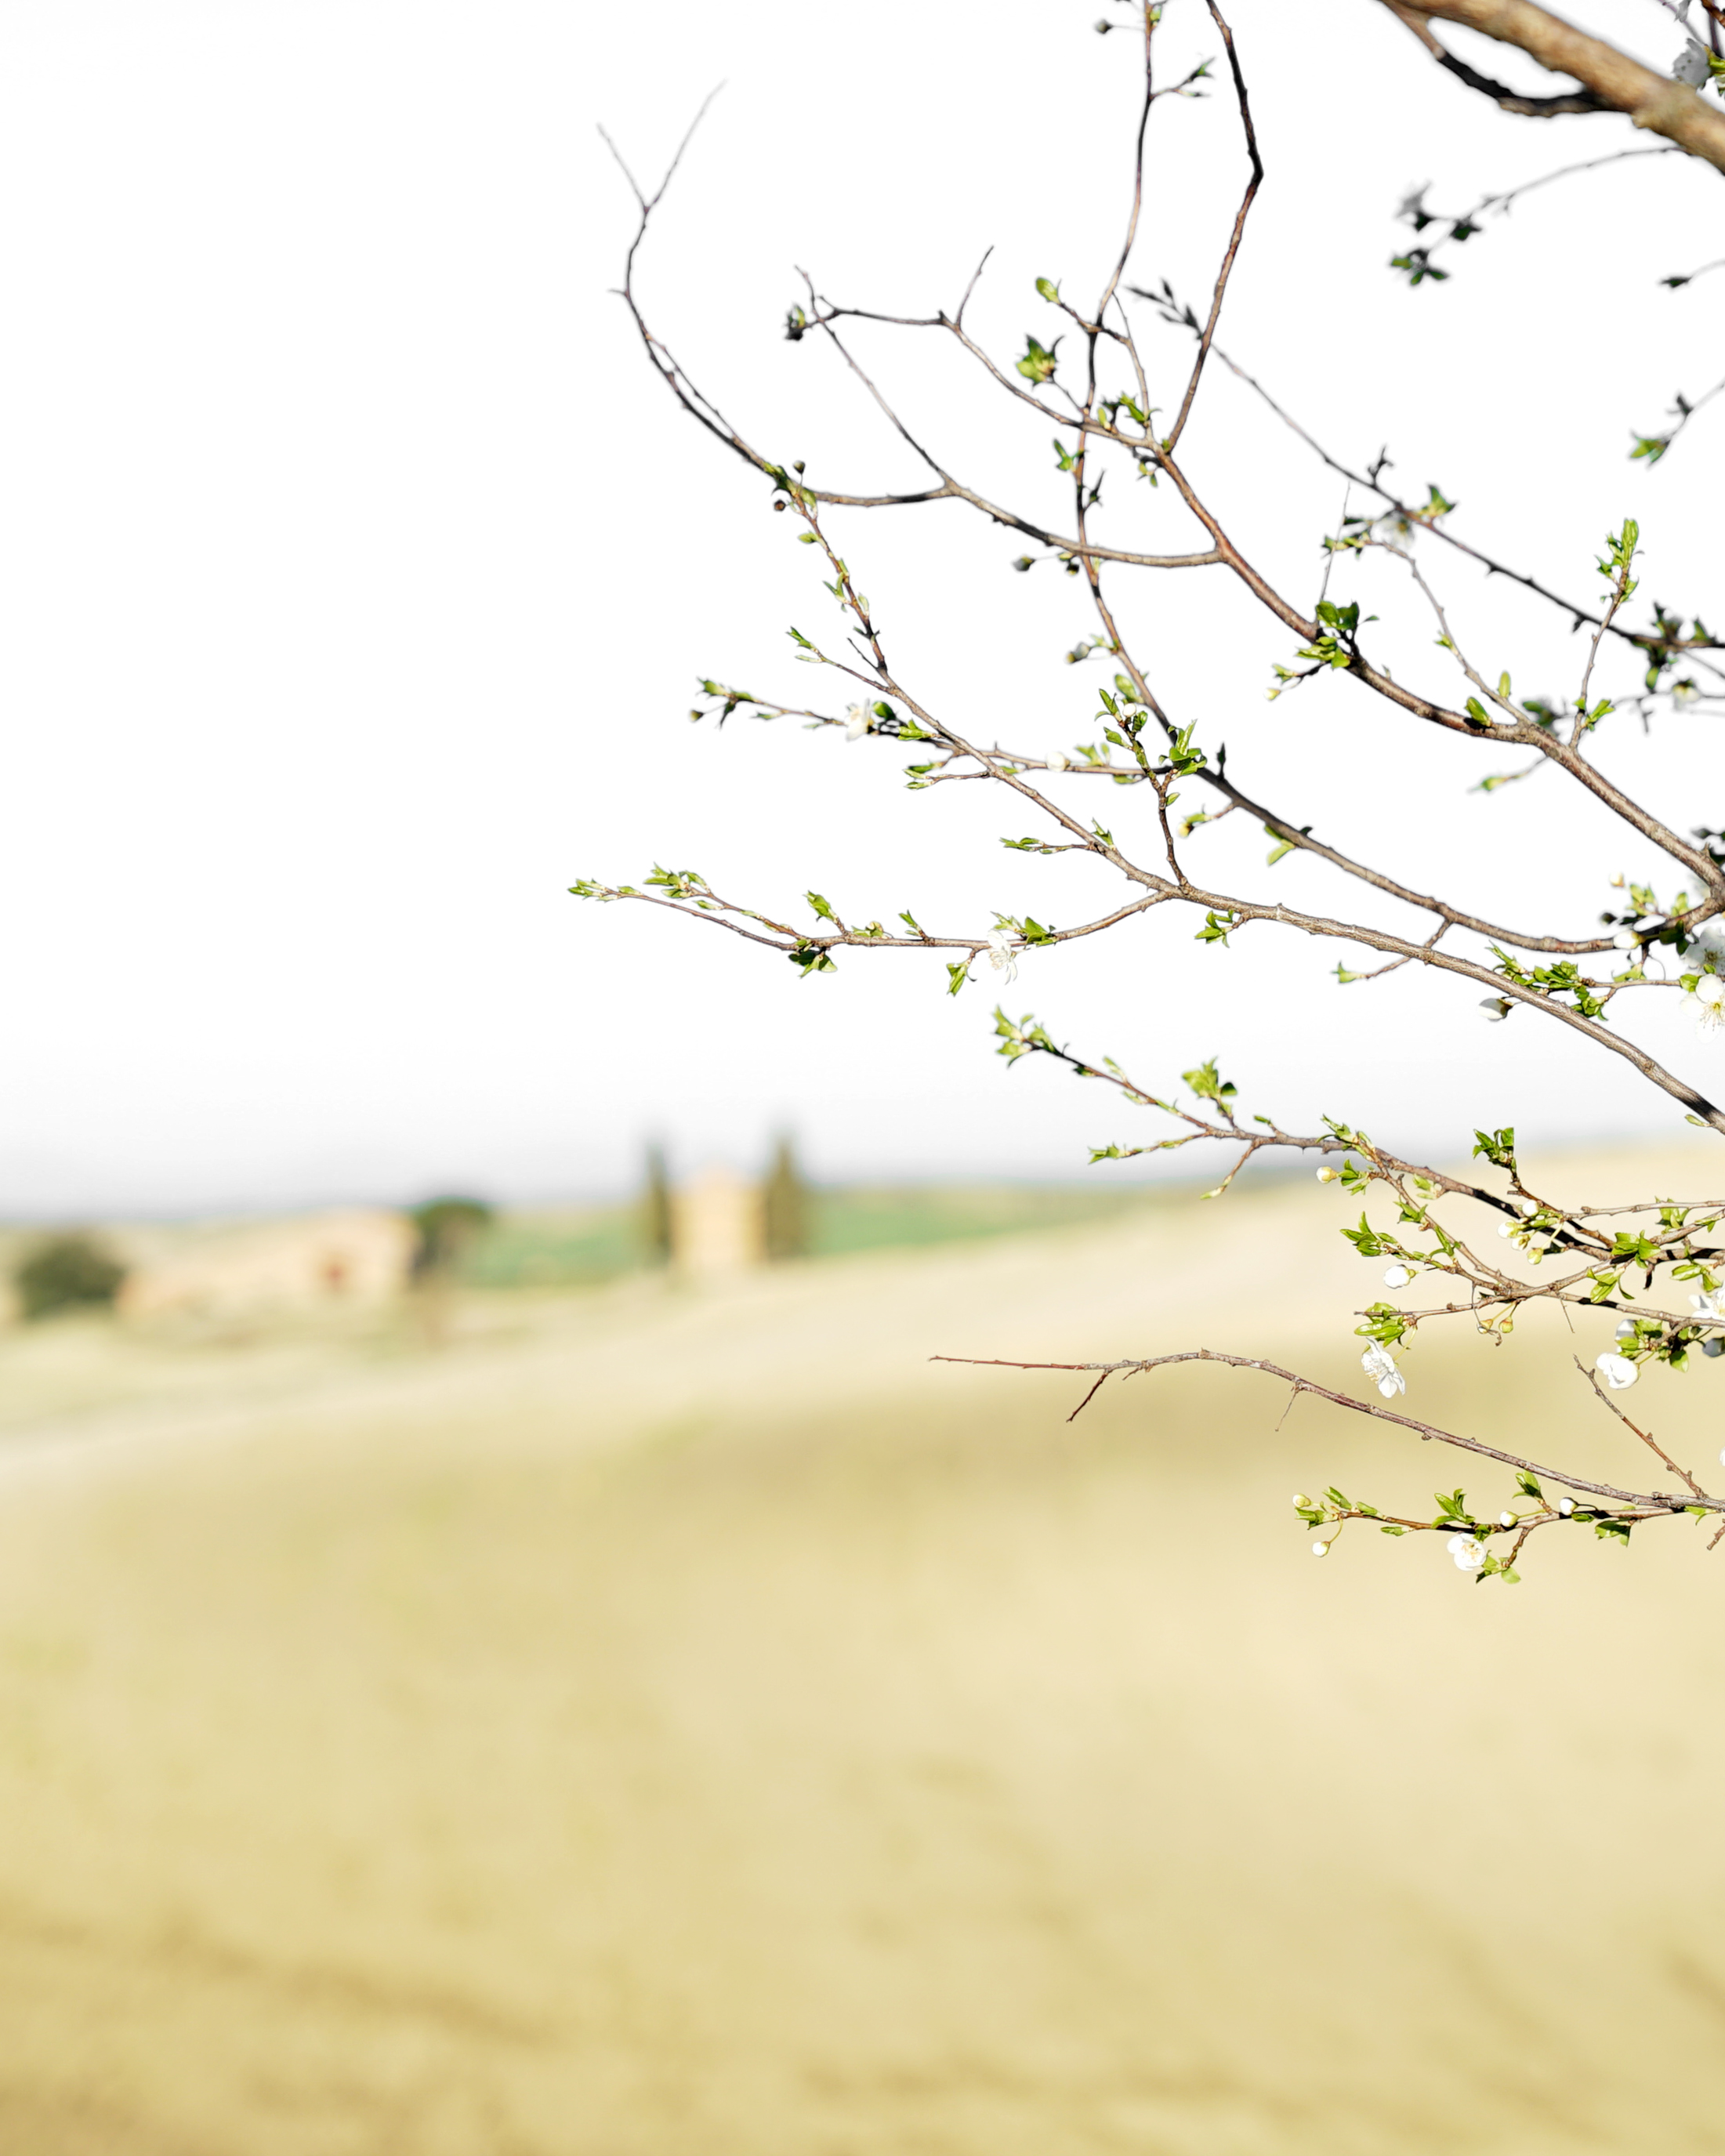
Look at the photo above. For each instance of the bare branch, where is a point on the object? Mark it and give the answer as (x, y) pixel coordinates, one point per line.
(1649, 1502)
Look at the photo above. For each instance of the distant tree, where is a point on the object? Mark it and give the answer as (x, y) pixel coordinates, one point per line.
(68, 1272)
(786, 1196)
(656, 1208)
(448, 1228)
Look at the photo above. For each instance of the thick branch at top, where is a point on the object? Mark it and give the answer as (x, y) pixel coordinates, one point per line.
(1611, 80)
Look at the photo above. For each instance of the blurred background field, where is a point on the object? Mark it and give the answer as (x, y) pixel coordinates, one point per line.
(545, 1247)
(657, 1719)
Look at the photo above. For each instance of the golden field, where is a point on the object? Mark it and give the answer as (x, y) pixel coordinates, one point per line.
(661, 1724)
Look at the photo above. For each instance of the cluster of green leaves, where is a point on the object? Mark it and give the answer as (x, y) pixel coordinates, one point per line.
(1415, 263)
(1337, 641)
(1669, 630)
(726, 700)
(1618, 560)
(1563, 978)
(1039, 361)
(1207, 1082)
(1019, 1037)
(674, 883)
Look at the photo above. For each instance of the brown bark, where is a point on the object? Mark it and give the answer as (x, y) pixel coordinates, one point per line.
(1611, 80)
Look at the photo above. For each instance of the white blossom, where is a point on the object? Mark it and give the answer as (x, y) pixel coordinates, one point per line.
(1706, 1309)
(1626, 1328)
(1379, 1366)
(1691, 64)
(858, 719)
(1706, 948)
(1468, 1551)
(1395, 531)
(999, 954)
(1684, 692)
(1397, 1276)
(1617, 1370)
(1496, 1008)
(1708, 1002)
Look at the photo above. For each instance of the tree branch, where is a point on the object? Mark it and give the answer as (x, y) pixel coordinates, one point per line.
(1611, 80)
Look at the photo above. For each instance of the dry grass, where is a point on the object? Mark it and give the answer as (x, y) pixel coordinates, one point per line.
(664, 1726)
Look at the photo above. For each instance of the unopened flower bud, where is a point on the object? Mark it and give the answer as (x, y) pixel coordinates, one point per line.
(1302, 1501)
(1397, 1276)
(1328, 1175)
(1320, 1549)
(1566, 1506)
(1506, 1519)
(1530, 1206)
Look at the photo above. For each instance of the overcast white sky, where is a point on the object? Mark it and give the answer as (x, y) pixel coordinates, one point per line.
(356, 572)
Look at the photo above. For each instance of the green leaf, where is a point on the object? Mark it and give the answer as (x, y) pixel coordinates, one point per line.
(1207, 1085)
(1039, 361)
(1282, 845)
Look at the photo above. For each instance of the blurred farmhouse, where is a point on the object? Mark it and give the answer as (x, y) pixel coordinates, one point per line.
(361, 1258)
(713, 1225)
